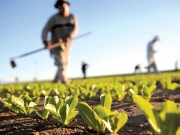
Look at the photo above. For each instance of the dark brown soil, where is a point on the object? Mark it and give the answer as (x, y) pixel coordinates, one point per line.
(12, 124)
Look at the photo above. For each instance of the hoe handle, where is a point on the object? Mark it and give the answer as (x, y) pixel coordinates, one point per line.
(38, 50)
(53, 46)
(60, 41)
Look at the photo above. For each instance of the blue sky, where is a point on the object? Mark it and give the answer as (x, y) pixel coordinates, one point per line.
(120, 30)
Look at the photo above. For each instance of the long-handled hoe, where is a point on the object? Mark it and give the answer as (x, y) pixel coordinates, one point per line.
(13, 64)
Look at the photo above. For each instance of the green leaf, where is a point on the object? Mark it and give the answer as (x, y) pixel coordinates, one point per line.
(112, 114)
(66, 114)
(57, 102)
(170, 117)
(64, 111)
(36, 100)
(106, 101)
(102, 112)
(169, 107)
(87, 115)
(178, 131)
(26, 100)
(103, 115)
(7, 96)
(17, 100)
(135, 88)
(119, 122)
(149, 111)
(33, 105)
(72, 102)
(18, 103)
(51, 108)
(44, 114)
(148, 91)
(107, 124)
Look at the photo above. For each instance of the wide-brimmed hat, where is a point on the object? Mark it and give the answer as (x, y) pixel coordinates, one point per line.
(59, 2)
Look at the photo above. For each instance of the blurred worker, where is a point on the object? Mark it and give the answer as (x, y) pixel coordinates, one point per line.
(137, 69)
(150, 56)
(176, 65)
(63, 27)
(16, 80)
(84, 68)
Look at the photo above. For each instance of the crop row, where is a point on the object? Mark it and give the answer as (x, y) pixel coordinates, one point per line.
(100, 118)
(116, 89)
(62, 101)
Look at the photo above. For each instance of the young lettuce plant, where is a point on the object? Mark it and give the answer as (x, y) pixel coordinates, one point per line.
(147, 91)
(93, 90)
(85, 92)
(43, 113)
(164, 122)
(118, 92)
(32, 90)
(74, 91)
(23, 104)
(142, 83)
(60, 91)
(46, 92)
(7, 103)
(168, 84)
(101, 117)
(130, 85)
(62, 112)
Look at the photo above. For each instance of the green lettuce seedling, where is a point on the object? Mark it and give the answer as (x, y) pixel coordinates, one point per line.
(130, 85)
(7, 103)
(62, 112)
(43, 113)
(74, 91)
(88, 91)
(93, 90)
(60, 90)
(147, 91)
(118, 92)
(168, 84)
(164, 122)
(85, 92)
(23, 104)
(100, 117)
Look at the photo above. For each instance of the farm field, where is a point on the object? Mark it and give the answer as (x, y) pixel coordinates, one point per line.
(124, 96)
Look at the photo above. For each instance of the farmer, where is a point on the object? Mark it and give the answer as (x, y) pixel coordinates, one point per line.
(84, 68)
(150, 56)
(137, 69)
(63, 27)
(176, 65)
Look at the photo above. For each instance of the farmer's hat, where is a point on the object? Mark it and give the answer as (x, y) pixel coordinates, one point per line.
(59, 2)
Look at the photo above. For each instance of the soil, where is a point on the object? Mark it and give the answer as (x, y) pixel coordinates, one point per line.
(137, 124)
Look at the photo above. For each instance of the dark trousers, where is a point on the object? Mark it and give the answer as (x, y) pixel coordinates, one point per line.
(84, 73)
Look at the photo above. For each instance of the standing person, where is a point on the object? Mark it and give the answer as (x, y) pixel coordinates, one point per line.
(176, 65)
(63, 27)
(150, 55)
(84, 68)
(137, 69)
